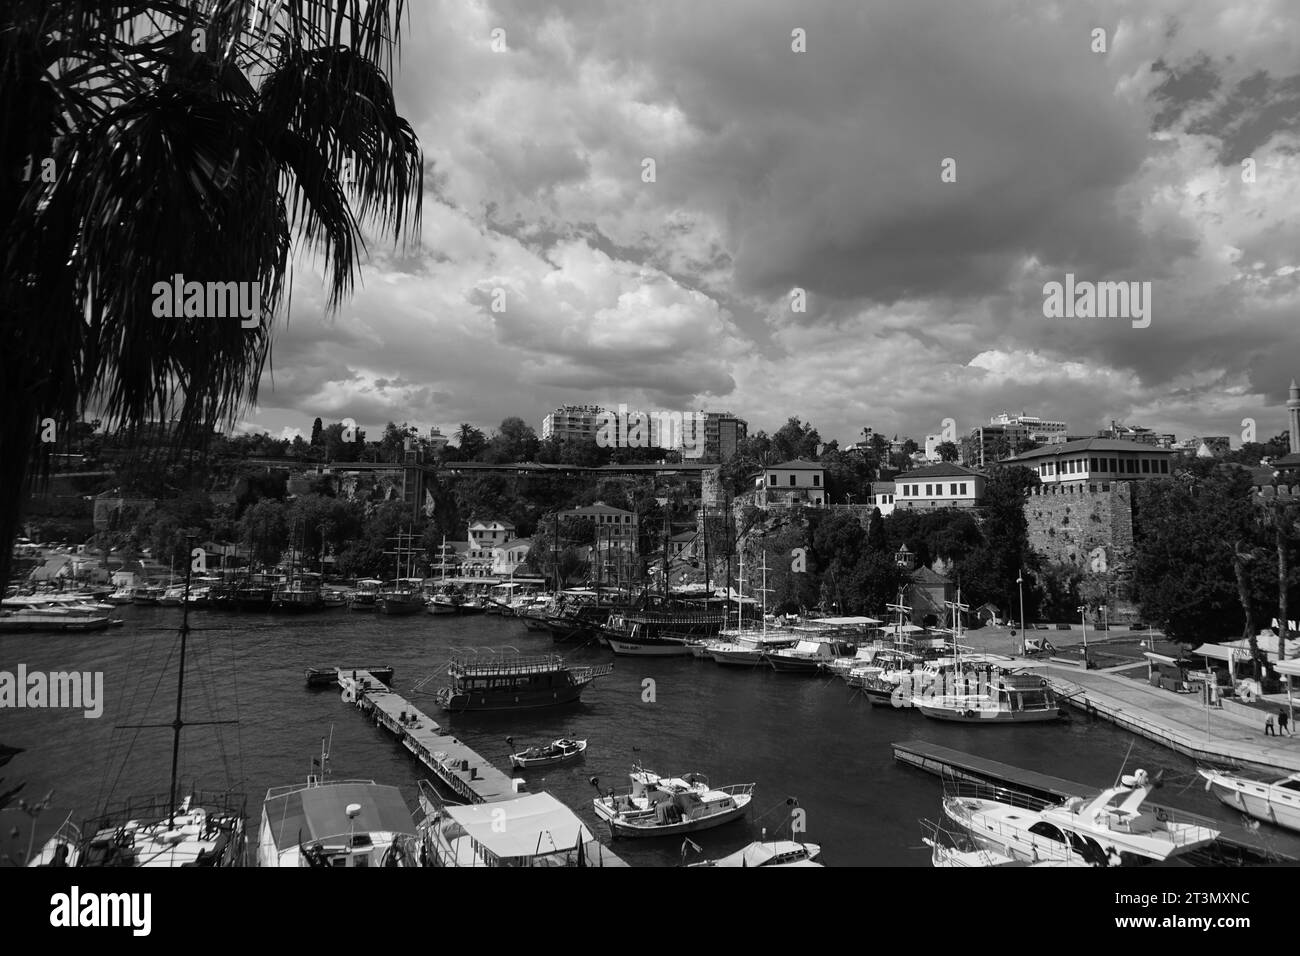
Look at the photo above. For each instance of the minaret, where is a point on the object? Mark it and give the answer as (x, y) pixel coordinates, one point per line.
(1293, 416)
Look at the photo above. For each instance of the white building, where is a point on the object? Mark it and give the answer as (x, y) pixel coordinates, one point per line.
(946, 485)
(572, 423)
(882, 496)
(1037, 429)
(1091, 460)
(507, 558)
(797, 481)
(932, 443)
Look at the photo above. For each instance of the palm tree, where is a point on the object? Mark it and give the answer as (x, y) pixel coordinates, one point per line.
(1241, 554)
(147, 139)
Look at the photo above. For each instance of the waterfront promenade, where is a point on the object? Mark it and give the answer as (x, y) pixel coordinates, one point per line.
(1181, 722)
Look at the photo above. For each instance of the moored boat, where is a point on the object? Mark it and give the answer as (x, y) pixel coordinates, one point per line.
(513, 682)
(670, 806)
(548, 755)
(1274, 801)
(1007, 699)
(771, 853)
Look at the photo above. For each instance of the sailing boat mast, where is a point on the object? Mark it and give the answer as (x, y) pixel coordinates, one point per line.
(178, 723)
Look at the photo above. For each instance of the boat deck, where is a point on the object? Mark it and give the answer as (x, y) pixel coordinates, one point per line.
(1238, 844)
(454, 763)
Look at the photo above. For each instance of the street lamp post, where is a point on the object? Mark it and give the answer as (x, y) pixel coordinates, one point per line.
(1020, 586)
(1083, 618)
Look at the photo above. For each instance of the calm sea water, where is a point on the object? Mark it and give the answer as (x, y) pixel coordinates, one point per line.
(795, 737)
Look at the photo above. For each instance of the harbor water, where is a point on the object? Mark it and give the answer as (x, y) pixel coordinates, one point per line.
(807, 739)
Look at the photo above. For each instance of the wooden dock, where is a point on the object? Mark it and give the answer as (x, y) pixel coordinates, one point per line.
(457, 767)
(1237, 845)
(1180, 722)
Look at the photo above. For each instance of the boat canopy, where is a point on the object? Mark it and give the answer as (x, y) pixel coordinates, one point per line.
(533, 825)
(318, 813)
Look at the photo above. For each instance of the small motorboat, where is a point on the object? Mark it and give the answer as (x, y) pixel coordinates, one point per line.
(670, 806)
(557, 751)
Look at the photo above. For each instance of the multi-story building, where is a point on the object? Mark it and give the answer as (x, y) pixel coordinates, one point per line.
(797, 481)
(615, 527)
(572, 423)
(1133, 433)
(945, 485)
(507, 558)
(989, 443)
(723, 433)
(1036, 429)
(932, 443)
(1097, 460)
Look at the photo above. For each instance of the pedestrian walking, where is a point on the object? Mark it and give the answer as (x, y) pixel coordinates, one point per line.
(1268, 727)
(1283, 720)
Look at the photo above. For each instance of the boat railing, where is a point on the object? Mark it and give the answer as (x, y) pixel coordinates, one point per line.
(157, 807)
(971, 789)
(539, 664)
(737, 789)
(295, 787)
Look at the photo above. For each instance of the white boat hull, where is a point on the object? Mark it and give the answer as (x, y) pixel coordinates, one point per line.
(650, 829)
(631, 649)
(1261, 801)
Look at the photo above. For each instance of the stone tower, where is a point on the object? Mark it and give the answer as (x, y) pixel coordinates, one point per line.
(1293, 416)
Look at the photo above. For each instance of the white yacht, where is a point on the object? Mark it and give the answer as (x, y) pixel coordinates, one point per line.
(670, 806)
(1273, 801)
(1111, 829)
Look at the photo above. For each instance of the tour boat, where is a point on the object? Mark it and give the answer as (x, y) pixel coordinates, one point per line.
(1008, 699)
(402, 598)
(670, 806)
(366, 595)
(641, 634)
(1110, 829)
(1274, 801)
(556, 752)
(772, 853)
(533, 829)
(808, 657)
(515, 683)
(299, 597)
(336, 824)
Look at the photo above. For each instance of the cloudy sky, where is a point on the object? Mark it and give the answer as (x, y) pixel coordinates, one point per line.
(820, 170)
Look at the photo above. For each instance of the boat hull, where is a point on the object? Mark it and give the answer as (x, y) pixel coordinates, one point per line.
(635, 831)
(627, 648)
(973, 715)
(460, 702)
(1258, 805)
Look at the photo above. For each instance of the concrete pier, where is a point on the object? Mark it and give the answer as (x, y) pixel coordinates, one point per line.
(1180, 722)
(457, 767)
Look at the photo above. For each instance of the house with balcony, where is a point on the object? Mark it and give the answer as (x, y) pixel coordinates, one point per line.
(1097, 461)
(795, 482)
(945, 485)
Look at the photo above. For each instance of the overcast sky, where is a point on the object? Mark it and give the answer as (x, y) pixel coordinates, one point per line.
(820, 170)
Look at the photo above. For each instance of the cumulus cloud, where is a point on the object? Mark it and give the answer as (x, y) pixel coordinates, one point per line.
(821, 170)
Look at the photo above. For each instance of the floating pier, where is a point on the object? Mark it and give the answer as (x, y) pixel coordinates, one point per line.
(1178, 721)
(329, 676)
(1243, 848)
(457, 767)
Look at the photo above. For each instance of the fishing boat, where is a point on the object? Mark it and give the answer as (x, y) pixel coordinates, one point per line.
(534, 829)
(331, 598)
(1274, 801)
(771, 853)
(515, 682)
(442, 602)
(172, 596)
(255, 594)
(670, 806)
(366, 595)
(336, 824)
(1110, 829)
(556, 752)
